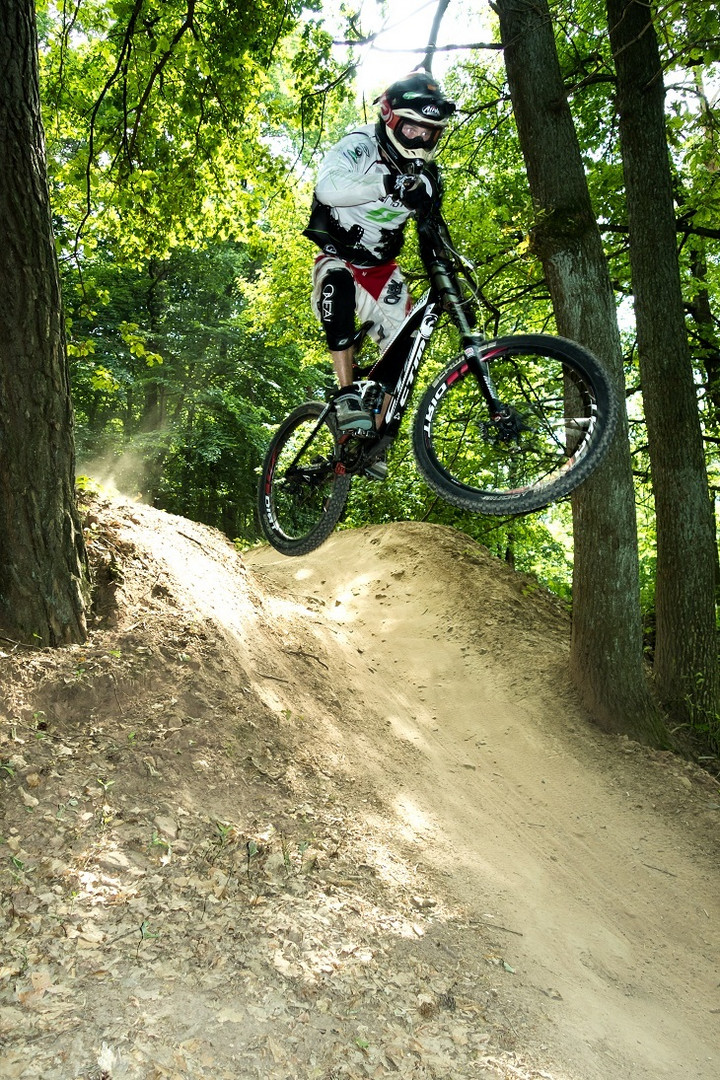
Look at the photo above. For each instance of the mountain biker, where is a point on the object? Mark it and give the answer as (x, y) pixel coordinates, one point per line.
(368, 186)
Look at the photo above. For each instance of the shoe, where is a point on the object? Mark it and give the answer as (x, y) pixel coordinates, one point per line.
(378, 470)
(350, 414)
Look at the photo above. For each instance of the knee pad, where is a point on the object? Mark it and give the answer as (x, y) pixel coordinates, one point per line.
(337, 308)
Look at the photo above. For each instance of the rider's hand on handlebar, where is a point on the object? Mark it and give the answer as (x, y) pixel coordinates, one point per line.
(415, 192)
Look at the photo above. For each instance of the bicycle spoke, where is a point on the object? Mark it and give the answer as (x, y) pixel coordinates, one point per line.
(302, 491)
(548, 438)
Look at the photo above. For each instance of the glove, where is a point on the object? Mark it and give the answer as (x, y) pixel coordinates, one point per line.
(417, 193)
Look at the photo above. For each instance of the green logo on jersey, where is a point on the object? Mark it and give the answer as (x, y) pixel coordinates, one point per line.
(384, 214)
(355, 153)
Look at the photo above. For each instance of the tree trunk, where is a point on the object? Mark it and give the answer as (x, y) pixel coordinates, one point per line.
(43, 567)
(606, 648)
(686, 664)
(704, 335)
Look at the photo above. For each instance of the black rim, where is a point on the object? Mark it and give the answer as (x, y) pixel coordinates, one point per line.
(556, 428)
(298, 484)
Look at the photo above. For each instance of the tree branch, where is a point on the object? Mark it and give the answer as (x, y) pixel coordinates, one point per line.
(432, 40)
(188, 24)
(682, 226)
(124, 54)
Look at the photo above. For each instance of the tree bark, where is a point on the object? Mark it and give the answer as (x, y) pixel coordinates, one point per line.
(43, 566)
(706, 339)
(606, 648)
(686, 661)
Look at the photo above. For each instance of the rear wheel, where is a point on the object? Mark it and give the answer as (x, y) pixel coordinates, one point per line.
(303, 488)
(560, 425)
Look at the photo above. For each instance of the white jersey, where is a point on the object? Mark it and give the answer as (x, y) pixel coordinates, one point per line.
(366, 223)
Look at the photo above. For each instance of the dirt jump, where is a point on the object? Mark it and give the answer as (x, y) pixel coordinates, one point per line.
(340, 817)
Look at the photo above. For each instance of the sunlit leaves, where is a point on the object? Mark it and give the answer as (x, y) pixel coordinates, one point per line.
(155, 127)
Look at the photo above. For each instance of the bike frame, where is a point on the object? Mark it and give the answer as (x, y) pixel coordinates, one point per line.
(411, 341)
(399, 364)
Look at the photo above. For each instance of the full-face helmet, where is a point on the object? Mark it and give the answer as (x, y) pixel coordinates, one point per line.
(413, 113)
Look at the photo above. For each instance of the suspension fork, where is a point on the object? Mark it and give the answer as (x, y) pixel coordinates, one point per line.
(451, 299)
(472, 348)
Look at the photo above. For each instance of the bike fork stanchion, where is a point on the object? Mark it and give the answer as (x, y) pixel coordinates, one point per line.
(472, 348)
(452, 301)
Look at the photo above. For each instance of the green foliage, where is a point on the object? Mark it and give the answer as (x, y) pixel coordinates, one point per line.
(176, 404)
(183, 141)
(157, 116)
(166, 124)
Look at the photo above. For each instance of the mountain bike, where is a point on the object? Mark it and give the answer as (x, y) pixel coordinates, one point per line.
(509, 426)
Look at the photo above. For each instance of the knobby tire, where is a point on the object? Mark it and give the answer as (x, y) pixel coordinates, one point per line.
(301, 501)
(567, 416)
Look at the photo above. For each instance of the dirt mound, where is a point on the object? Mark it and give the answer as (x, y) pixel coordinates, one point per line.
(339, 817)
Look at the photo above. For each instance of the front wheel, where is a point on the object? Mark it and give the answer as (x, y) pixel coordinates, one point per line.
(562, 417)
(303, 487)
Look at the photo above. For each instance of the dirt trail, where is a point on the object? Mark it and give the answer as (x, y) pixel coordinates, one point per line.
(584, 846)
(361, 825)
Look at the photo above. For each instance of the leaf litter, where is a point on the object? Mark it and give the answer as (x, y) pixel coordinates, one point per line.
(187, 887)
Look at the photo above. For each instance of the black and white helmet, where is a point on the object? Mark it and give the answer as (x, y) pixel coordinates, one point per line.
(413, 113)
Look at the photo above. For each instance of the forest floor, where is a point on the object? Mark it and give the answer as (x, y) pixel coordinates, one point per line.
(339, 817)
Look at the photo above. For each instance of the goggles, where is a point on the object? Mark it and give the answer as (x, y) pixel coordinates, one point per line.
(416, 136)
